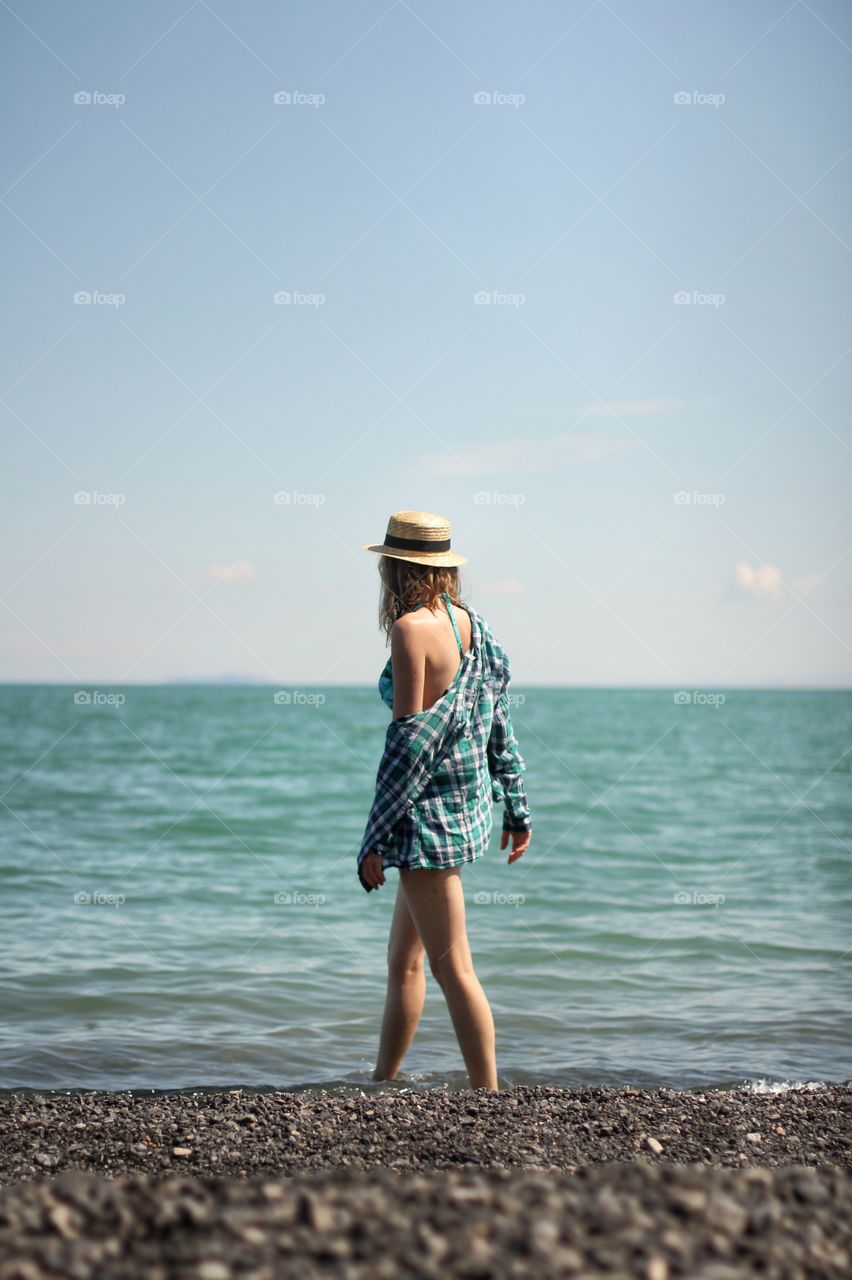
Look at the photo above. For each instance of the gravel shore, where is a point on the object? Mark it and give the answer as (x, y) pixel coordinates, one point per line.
(626, 1220)
(524, 1183)
(240, 1134)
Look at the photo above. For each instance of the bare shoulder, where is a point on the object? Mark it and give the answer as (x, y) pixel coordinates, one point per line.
(407, 634)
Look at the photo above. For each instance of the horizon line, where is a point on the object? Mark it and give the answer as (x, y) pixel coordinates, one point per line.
(249, 683)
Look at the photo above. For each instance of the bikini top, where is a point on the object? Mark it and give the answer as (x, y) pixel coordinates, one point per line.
(386, 678)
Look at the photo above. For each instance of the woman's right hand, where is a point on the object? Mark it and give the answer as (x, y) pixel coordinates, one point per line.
(520, 843)
(371, 870)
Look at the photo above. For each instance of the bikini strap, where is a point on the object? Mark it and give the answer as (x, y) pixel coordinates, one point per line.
(449, 605)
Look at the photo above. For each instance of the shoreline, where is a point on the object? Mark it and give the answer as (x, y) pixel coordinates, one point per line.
(343, 1088)
(239, 1133)
(523, 1182)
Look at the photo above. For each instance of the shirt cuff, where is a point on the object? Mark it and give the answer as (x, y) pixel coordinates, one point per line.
(516, 809)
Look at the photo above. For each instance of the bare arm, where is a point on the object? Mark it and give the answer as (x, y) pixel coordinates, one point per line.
(408, 662)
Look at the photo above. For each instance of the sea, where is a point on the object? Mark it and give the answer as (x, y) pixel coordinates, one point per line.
(181, 909)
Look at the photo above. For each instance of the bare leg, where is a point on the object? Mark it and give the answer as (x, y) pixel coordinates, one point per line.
(436, 902)
(406, 991)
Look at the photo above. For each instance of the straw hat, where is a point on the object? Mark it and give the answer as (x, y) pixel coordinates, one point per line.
(418, 536)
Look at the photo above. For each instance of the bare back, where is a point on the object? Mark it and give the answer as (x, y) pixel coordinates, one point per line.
(425, 656)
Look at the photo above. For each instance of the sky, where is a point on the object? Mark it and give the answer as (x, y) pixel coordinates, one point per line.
(574, 275)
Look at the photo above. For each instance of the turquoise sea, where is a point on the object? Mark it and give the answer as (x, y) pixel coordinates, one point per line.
(180, 906)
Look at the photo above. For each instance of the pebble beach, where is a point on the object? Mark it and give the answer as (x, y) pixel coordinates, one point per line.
(523, 1182)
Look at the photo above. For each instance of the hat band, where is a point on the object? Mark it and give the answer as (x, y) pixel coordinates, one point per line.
(416, 544)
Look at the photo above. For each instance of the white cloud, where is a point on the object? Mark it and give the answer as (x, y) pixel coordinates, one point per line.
(508, 457)
(763, 580)
(802, 586)
(546, 453)
(235, 574)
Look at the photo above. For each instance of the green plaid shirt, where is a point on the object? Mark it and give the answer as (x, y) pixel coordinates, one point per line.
(442, 769)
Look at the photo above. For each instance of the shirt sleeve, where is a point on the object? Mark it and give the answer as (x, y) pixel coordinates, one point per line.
(410, 753)
(506, 766)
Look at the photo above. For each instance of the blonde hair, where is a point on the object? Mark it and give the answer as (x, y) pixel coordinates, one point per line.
(406, 584)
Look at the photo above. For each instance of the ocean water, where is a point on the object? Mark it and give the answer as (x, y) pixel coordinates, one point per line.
(180, 907)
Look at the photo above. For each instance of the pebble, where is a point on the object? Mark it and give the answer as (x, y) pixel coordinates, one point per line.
(64, 1220)
(690, 1199)
(727, 1215)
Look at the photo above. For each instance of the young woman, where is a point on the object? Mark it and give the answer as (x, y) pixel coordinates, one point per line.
(450, 751)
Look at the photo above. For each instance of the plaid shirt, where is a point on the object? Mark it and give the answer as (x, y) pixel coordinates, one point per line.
(443, 767)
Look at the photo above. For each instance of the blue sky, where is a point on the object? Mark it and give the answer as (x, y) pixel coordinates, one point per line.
(486, 219)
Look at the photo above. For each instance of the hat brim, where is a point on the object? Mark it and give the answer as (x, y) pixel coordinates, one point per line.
(442, 559)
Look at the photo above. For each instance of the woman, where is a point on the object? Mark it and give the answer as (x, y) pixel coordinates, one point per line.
(450, 750)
